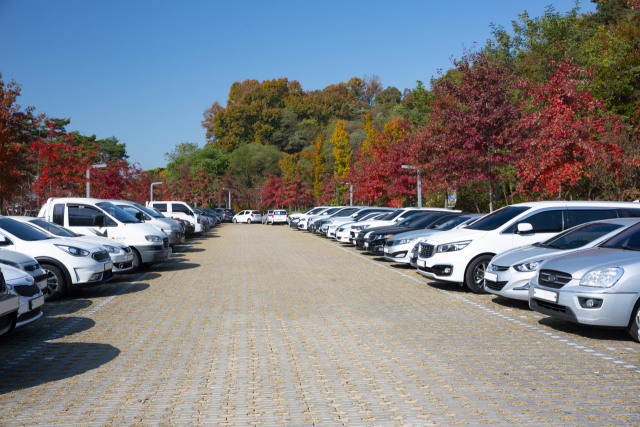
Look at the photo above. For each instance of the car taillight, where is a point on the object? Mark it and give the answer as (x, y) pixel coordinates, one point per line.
(251, 215)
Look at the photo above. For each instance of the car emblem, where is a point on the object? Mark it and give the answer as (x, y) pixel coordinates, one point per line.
(552, 278)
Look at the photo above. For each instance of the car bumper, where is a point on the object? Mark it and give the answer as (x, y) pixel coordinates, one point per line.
(375, 247)
(399, 253)
(81, 274)
(615, 310)
(154, 255)
(510, 284)
(433, 269)
(343, 237)
(122, 263)
(9, 304)
(30, 309)
(175, 237)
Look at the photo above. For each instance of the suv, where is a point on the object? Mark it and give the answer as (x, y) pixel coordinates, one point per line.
(169, 226)
(177, 209)
(227, 215)
(277, 216)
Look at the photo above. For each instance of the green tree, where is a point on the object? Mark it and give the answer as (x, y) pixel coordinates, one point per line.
(341, 149)
(319, 166)
(252, 163)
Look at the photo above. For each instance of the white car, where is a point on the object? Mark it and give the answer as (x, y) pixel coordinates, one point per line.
(343, 231)
(181, 210)
(277, 216)
(69, 264)
(310, 218)
(120, 254)
(172, 228)
(247, 216)
(509, 273)
(25, 263)
(30, 296)
(462, 256)
(337, 222)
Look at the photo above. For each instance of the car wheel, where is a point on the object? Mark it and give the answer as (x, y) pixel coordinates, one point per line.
(56, 282)
(634, 323)
(248, 221)
(234, 220)
(474, 277)
(137, 261)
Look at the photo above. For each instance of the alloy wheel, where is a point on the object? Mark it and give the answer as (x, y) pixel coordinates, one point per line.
(52, 283)
(478, 273)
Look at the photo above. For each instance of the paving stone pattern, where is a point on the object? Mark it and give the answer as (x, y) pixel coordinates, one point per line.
(262, 325)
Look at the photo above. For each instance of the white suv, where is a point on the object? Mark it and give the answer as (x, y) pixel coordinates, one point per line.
(462, 255)
(69, 264)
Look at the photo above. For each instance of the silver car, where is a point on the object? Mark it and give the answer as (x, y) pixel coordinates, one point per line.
(509, 273)
(25, 263)
(597, 286)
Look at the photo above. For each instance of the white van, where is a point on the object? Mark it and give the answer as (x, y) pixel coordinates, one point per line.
(462, 255)
(177, 209)
(104, 219)
(169, 226)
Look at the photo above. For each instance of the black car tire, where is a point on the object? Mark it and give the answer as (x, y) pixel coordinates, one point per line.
(634, 323)
(56, 282)
(474, 276)
(137, 261)
(248, 221)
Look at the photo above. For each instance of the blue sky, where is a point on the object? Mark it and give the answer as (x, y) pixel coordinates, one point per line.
(144, 71)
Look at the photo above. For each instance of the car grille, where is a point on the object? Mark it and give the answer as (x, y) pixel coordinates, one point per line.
(426, 251)
(29, 315)
(498, 268)
(108, 274)
(5, 321)
(123, 265)
(165, 243)
(494, 286)
(550, 306)
(100, 256)
(32, 267)
(3, 284)
(27, 290)
(553, 279)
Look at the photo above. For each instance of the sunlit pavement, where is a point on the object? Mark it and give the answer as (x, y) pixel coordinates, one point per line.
(256, 324)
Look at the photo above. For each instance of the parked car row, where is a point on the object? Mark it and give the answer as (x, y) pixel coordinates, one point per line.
(80, 242)
(576, 261)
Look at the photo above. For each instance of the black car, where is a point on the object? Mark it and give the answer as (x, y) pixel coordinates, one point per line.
(227, 215)
(212, 214)
(376, 237)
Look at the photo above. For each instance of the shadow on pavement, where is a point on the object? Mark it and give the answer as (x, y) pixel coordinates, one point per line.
(67, 305)
(448, 286)
(585, 331)
(512, 303)
(178, 266)
(115, 289)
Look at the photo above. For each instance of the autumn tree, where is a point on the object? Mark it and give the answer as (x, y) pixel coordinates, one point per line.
(319, 165)
(341, 150)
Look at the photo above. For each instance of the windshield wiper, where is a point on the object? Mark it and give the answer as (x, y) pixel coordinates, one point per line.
(629, 248)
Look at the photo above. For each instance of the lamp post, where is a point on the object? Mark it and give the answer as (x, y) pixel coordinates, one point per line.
(229, 197)
(152, 184)
(89, 176)
(419, 183)
(350, 192)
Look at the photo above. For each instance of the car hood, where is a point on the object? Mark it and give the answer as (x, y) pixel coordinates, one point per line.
(580, 262)
(393, 230)
(524, 254)
(415, 234)
(88, 245)
(457, 235)
(374, 224)
(10, 274)
(16, 257)
(97, 239)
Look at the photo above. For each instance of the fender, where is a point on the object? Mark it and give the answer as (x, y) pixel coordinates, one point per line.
(67, 275)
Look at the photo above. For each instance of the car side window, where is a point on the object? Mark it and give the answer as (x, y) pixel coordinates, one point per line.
(179, 207)
(162, 207)
(580, 216)
(545, 222)
(85, 216)
(58, 214)
(631, 213)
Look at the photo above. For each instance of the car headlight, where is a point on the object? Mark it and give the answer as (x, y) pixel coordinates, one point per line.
(10, 263)
(451, 247)
(72, 250)
(153, 238)
(602, 277)
(405, 241)
(112, 249)
(528, 266)
(175, 228)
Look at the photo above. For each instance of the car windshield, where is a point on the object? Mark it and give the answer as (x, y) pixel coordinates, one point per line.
(22, 231)
(344, 212)
(579, 236)
(117, 213)
(627, 239)
(159, 213)
(330, 211)
(449, 223)
(367, 217)
(498, 218)
(150, 212)
(314, 211)
(393, 215)
(56, 230)
(425, 221)
(408, 220)
(209, 211)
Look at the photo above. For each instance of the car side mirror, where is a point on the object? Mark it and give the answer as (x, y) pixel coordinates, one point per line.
(524, 228)
(139, 216)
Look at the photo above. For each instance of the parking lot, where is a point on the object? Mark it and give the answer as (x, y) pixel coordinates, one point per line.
(258, 325)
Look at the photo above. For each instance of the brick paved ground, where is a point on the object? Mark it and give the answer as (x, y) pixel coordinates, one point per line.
(259, 325)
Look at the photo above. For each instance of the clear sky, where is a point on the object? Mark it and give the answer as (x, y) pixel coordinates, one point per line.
(144, 71)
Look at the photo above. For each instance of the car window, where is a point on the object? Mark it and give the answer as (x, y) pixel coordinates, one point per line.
(408, 220)
(58, 214)
(425, 221)
(280, 212)
(330, 211)
(627, 239)
(580, 216)
(118, 213)
(159, 213)
(21, 231)
(498, 218)
(344, 213)
(447, 223)
(146, 210)
(179, 207)
(631, 213)
(85, 216)
(162, 207)
(581, 235)
(53, 229)
(545, 222)
(255, 212)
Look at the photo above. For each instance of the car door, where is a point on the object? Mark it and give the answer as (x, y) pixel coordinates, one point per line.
(545, 224)
(85, 219)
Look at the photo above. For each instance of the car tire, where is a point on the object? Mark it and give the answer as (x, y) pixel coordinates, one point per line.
(56, 282)
(137, 261)
(474, 276)
(248, 221)
(634, 323)
(234, 220)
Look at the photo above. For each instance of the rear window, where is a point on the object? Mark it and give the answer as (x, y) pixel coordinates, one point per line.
(580, 236)
(280, 212)
(498, 218)
(255, 212)
(162, 207)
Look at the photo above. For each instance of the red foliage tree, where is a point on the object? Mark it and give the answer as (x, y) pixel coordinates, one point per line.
(298, 192)
(272, 193)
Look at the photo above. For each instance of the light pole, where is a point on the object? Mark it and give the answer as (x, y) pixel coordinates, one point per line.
(89, 176)
(419, 183)
(229, 197)
(152, 184)
(350, 192)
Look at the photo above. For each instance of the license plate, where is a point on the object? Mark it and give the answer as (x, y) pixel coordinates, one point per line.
(545, 295)
(36, 302)
(492, 277)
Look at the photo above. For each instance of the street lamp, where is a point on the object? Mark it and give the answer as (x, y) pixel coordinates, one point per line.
(89, 176)
(229, 197)
(350, 192)
(152, 184)
(419, 183)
